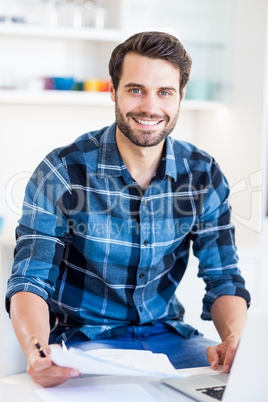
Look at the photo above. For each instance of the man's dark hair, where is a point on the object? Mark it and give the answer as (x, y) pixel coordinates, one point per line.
(155, 45)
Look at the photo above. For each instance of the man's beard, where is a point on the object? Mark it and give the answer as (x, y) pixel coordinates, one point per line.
(140, 137)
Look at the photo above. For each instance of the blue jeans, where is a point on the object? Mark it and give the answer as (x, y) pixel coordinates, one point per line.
(159, 338)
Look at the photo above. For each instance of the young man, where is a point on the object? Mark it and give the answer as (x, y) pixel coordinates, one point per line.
(104, 237)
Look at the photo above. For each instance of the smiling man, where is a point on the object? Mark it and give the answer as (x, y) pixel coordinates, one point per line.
(107, 224)
(149, 95)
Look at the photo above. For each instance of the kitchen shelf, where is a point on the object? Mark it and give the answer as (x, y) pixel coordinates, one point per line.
(50, 97)
(73, 98)
(50, 32)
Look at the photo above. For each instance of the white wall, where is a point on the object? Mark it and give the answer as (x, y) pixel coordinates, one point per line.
(237, 137)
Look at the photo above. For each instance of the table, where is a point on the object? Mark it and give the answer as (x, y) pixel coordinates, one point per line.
(21, 387)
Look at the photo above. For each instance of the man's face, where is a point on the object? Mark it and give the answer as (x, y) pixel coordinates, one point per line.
(147, 100)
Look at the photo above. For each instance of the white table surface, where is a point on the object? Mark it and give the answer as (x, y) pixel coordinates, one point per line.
(21, 387)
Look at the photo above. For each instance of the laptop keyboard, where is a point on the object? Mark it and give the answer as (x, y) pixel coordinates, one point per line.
(214, 392)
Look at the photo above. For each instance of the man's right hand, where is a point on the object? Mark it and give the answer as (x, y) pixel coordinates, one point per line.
(45, 373)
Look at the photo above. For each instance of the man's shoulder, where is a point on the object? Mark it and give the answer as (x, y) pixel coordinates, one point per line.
(76, 157)
(187, 150)
(84, 150)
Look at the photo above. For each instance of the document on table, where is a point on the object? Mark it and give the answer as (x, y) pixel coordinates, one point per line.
(95, 392)
(115, 362)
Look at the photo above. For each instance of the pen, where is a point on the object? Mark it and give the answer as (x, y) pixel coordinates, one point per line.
(63, 346)
(38, 347)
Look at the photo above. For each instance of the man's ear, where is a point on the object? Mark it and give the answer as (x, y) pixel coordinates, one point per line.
(183, 93)
(112, 91)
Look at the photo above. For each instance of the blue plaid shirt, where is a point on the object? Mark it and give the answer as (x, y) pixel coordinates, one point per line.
(106, 255)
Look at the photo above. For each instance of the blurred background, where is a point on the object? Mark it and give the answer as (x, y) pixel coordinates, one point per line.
(53, 87)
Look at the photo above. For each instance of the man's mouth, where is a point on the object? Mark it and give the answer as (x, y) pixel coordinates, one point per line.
(148, 122)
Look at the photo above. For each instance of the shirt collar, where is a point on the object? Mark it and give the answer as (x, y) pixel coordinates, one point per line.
(171, 169)
(111, 163)
(109, 160)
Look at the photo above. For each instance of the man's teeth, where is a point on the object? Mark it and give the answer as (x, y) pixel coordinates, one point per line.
(147, 122)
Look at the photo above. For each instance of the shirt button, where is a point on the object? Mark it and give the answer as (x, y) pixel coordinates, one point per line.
(144, 202)
(140, 308)
(141, 275)
(145, 242)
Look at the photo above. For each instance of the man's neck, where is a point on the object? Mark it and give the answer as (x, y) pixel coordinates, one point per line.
(141, 162)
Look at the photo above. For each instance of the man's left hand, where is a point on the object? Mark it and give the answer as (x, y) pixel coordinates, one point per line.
(223, 353)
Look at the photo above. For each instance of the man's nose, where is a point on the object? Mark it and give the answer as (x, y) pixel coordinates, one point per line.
(149, 104)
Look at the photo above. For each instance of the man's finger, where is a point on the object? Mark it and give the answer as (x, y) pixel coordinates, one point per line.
(213, 357)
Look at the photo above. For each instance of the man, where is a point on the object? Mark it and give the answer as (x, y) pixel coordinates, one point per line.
(107, 223)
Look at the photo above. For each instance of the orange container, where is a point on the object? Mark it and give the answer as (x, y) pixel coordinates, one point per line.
(96, 85)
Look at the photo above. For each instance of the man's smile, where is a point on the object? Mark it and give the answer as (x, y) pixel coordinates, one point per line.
(147, 122)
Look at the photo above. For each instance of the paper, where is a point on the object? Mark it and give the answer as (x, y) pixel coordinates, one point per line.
(115, 362)
(95, 393)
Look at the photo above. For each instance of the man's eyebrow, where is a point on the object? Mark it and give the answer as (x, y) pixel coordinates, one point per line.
(134, 84)
(168, 89)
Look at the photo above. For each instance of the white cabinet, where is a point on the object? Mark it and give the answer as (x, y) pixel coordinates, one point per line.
(30, 51)
(48, 46)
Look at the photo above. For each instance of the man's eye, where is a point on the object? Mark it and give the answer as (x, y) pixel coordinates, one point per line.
(164, 93)
(135, 90)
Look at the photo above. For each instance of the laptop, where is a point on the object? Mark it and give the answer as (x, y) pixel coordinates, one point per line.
(248, 379)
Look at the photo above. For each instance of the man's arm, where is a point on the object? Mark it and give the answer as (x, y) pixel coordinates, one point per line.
(30, 318)
(229, 316)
